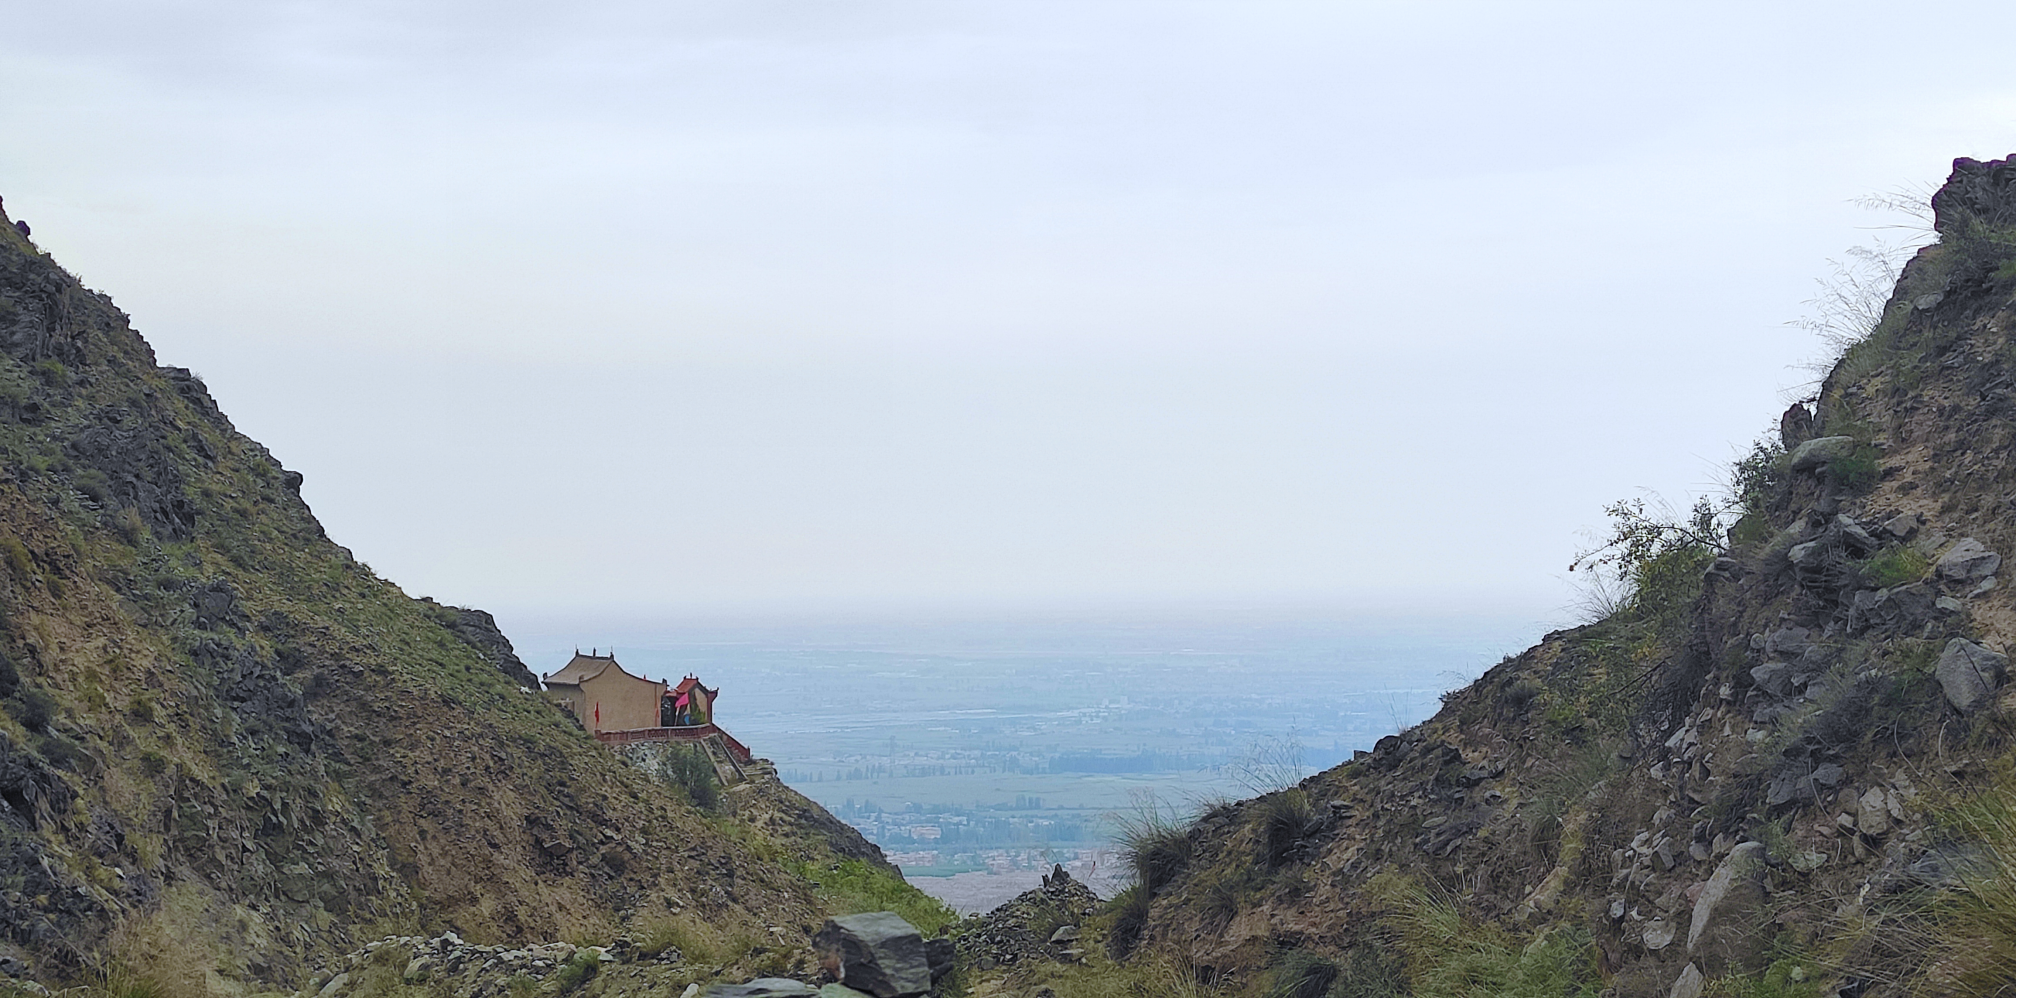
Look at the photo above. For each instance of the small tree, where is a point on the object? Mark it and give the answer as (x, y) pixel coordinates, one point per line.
(1651, 565)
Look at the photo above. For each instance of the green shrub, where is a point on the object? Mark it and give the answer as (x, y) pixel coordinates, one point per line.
(1856, 471)
(94, 485)
(17, 557)
(575, 972)
(1896, 566)
(33, 708)
(53, 373)
(688, 769)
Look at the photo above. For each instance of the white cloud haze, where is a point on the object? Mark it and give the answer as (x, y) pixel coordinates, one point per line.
(661, 308)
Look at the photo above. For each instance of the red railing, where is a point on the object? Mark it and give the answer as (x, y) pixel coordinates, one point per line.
(684, 733)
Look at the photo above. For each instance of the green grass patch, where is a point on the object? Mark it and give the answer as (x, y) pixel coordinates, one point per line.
(851, 886)
(1449, 955)
(1895, 566)
(1856, 471)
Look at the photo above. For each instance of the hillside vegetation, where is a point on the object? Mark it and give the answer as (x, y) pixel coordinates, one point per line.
(1779, 765)
(230, 752)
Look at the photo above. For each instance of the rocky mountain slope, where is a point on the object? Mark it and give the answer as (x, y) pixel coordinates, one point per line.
(230, 752)
(1781, 767)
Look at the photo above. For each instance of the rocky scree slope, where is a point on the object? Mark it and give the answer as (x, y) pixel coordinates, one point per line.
(229, 751)
(1785, 761)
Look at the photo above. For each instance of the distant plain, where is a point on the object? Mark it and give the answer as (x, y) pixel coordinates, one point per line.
(1015, 742)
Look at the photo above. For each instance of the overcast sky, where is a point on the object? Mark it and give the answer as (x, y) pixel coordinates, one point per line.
(672, 308)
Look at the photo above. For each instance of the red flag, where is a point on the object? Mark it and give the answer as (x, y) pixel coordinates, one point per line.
(598, 712)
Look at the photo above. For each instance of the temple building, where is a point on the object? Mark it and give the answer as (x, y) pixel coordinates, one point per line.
(621, 709)
(604, 697)
(687, 704)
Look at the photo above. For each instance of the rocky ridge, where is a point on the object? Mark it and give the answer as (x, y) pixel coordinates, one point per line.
(1764, 767)
(230, 752)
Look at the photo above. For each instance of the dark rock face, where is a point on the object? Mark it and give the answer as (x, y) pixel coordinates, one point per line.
(479, 628)
(1978, 190)
(133, 472)
(1796, 426)
(878, 953)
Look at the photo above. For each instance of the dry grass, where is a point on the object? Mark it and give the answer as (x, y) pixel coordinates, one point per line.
(1450, 955)
(1970, 926)
(697, 940)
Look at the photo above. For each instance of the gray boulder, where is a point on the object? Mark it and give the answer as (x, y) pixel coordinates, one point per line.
(1689, 984)
(1775, 678)
(1791, 783)
(1873, 812)
(1897, 609)
(1729, 928)
(762, 987)
(1969, 673)
(1812, 555)
(939, 953)
(878, 952)
(1854, 537)
(1789, 641)
(1968, 560)
(1819, 451)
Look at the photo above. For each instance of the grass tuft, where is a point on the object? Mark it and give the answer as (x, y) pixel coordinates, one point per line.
(1282, 820)
(1156, 843)
(1451, 955)
(1300, 973)
(1895, 566)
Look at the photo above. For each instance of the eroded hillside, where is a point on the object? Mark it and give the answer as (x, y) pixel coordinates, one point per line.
(1781, 767)
(230, 752)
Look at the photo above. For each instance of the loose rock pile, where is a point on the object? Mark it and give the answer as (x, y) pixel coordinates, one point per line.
(1040, 923)
(467, 968)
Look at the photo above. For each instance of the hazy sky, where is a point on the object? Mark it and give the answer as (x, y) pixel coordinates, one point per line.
(662, 308)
